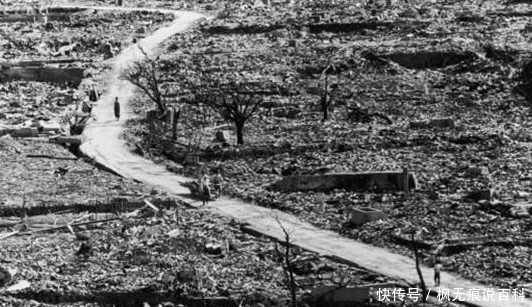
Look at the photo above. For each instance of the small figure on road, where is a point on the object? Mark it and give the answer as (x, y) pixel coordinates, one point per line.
(437, 270)
(117, 109)
(204, 187)
(217, 182)
(86, 107)
(93, 94)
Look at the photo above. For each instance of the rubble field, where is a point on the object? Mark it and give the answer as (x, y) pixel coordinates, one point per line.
(136, 255)
(80, 36)
(41, 173)
(51, 57)
(179, 256)
(78, 235)
(432, 87)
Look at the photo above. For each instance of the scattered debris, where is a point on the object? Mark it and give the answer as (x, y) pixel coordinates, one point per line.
(19, 286)
(213, 248)
(477, 172)
(174, 233)
(442, 122)
(223, 136)
(485, 195)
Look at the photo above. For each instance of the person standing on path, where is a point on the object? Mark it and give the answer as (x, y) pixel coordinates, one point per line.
(218, 182)
(117, 109)
(93, 94)
(204, 186)
(437, 270)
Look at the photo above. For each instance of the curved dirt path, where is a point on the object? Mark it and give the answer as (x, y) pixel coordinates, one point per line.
(101, 138)
(102, 143)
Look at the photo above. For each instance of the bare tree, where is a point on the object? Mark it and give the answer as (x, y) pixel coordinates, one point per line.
(235, 101)
(144, 75)
(418, 268)
(288, 267)
(415, 231)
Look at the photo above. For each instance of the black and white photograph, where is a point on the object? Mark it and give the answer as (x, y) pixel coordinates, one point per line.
(266, 153)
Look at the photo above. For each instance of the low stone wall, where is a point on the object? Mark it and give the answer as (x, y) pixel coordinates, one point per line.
(179, 155)
(72, 76)
(19, 132)
(53, 14)
(371, 181)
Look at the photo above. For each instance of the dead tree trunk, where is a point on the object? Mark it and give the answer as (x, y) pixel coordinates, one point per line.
(328, 91)
(288, 263)
(406, 182)
(418, 269)
(288, 269)
(174, 124)
(239, 132)
(325, 109)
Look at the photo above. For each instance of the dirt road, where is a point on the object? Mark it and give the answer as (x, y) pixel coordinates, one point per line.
(102, 138)
(103, 144)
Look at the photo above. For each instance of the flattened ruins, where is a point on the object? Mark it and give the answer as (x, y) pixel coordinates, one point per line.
(265, 153)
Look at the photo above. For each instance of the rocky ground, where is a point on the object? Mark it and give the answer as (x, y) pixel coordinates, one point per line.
(59, 59)
(42, 173)
(178, 255)
(399, 68)
(62, 38)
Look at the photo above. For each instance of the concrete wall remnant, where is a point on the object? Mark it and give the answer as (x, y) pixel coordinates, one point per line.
(359, 216)
(72, 76)
(58, 14)
(369, 181)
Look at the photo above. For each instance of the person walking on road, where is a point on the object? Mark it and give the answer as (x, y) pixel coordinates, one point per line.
(204, 188)
(117, 109)
(218, 182)
(437, 270)
(93, 94)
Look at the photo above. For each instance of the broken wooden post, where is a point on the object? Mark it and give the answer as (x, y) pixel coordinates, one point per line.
(177, 113)
(406, 183)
